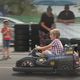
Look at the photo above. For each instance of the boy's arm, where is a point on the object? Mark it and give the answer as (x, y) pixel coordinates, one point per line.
(45, 47)
(4, 32)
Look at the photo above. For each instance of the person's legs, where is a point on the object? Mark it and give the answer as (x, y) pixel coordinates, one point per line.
(4, 53)
(43, 36)
(49, 54)
(7, 49)
(4, 49)
(46, 52)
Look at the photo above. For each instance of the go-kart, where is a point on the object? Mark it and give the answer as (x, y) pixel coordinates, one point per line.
(58, 63)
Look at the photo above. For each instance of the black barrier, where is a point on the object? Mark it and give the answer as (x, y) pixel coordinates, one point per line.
(34, 35)
(75, 41)
(21, 37)
(26, 36)
(65, 41)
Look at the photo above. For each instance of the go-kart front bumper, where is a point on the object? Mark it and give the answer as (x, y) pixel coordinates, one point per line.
(33, 69)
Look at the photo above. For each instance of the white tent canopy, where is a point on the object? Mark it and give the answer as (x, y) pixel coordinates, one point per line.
(69, 31)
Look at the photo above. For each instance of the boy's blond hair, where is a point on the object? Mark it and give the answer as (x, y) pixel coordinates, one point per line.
(55, 32)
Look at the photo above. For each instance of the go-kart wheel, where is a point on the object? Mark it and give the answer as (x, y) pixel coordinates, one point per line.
(27, 63)
(24, 62)
(65, 68)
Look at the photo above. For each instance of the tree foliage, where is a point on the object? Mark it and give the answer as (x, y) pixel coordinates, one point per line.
(18, 7)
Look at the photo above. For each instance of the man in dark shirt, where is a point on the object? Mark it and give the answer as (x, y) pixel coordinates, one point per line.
(46, 24)
(66, 16)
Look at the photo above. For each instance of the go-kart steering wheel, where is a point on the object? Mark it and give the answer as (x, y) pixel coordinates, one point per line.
(35, 52)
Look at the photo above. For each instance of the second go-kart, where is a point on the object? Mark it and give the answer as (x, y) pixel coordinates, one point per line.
(58, 63)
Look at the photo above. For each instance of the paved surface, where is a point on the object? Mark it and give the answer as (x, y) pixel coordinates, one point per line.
(6, 72)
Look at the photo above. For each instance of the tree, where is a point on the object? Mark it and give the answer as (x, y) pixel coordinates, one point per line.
(18, 7)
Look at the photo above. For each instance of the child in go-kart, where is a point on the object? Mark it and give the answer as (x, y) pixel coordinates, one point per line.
(55, 47)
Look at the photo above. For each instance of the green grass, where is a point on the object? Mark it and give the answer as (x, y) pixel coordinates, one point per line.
(27, 19)
(34, 19)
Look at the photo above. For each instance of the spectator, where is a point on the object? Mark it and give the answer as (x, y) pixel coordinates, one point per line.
(7, 36)
(46, 24)
(66, 16)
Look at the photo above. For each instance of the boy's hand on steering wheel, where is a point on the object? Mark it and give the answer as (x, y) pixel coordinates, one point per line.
(38, 47)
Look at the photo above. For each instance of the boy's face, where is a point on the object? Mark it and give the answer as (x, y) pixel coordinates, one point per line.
(6, 24)
(52, 36)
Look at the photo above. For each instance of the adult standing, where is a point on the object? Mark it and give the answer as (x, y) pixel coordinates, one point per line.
(7, 36)
(46, 24)
(66, 16)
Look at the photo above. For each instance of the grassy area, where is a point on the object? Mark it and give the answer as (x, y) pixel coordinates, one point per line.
(27, 18)
(36, 19)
